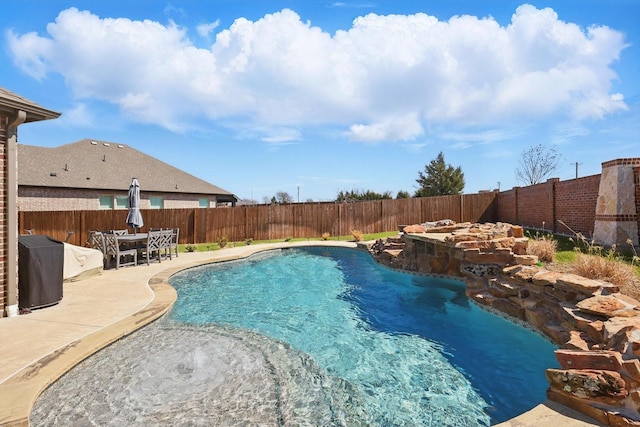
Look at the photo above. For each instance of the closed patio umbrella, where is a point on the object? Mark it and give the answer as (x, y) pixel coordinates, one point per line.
(134, 218)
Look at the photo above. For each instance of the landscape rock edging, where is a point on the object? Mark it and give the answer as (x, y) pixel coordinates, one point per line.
(596, 327)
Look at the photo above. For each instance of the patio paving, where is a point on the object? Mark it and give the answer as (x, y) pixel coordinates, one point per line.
(41, 346)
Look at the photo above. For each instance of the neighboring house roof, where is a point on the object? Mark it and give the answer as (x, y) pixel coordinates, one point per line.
(12, 102)
(101, 165)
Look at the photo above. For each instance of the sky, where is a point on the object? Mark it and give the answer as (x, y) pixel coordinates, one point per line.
(316, 97)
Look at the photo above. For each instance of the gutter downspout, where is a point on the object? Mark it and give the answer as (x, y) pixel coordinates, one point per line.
(11, 306)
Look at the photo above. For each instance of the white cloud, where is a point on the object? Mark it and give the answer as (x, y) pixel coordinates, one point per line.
(391, 129)
(30, 53)
(566, 132)
(78, 116)
(281, 136)
(352, 5)
(483, 137)
(384, 79)
(204, 30)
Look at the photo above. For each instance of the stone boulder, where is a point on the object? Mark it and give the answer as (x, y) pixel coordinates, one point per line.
(416, 228)
(610, 306)
(605, 387)
(599, 359)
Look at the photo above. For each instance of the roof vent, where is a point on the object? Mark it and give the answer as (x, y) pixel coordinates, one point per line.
(53, 174)
(106, 144)
(94, 143)
(120, 146)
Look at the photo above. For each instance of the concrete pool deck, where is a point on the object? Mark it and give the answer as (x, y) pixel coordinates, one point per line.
(41, 346)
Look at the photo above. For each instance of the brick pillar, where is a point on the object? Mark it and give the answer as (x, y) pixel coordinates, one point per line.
(616, 209)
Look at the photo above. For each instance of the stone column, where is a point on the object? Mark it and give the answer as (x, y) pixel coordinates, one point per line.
(616, 214)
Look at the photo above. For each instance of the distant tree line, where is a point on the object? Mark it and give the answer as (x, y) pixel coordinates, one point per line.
(437, 179)
(441, 179)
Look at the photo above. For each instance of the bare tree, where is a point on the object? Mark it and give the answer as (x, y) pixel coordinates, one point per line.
(537, 163)
(283, 197)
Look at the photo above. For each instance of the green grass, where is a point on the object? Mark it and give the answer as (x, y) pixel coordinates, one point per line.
(565, 257)
(569, 246)
(204, 247)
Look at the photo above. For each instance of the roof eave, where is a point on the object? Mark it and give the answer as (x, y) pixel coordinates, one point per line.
(34, 111)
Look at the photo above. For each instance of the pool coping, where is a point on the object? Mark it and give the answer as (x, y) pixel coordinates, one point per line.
(19, 391)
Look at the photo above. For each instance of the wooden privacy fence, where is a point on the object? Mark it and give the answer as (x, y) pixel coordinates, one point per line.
(269, 222)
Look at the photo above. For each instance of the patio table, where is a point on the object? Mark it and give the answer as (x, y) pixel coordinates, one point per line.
(132, 238)
(130, 241)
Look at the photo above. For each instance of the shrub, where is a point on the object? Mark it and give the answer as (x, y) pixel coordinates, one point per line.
(222, 241)
(191, 247)
(357, 235)
(610, 269)
(249, 241)
(543, 246)
(288, 239)
(325, 236)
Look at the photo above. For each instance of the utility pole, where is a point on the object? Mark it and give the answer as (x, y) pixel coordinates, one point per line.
(298, 194)
(577, 164)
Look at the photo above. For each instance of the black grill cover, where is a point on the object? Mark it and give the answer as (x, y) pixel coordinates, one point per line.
(40, 271)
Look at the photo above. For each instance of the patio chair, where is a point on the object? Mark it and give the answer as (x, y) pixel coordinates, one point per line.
(96, 241)
(120, 232)
(166, 242)
(114, 250)
(173, 245)
(154, 246)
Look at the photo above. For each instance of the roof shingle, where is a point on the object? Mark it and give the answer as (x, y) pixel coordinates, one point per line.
(91, 164)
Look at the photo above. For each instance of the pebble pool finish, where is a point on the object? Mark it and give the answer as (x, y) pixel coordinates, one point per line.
(314, 336)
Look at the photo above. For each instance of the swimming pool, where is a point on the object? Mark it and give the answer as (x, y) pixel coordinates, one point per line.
(415, 347)
(312, 336)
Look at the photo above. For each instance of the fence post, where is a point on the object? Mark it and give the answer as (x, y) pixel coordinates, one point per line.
(515, 202)
(195, 225)
(553, 182)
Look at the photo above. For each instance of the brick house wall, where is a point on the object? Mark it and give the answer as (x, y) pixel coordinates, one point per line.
(69, 199)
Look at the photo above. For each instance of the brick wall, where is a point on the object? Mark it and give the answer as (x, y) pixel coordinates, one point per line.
(572, 202)
(3, 212)
(535, 206)
(576, 201)
(636, 180)
(507, 206)
(66, 199)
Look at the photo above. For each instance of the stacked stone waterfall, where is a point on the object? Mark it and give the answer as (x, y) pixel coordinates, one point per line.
(597, 327)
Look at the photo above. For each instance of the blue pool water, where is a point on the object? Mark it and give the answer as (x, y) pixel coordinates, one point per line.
(415, 348)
